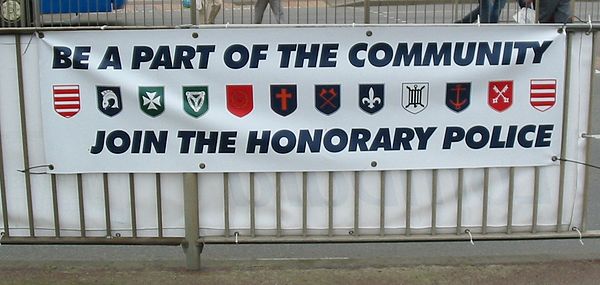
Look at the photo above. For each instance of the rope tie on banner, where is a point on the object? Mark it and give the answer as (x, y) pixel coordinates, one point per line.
(555, 158)
(28, 170)
(467, 231)
(580, 235)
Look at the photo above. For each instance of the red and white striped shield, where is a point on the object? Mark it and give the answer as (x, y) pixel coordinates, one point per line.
(66, 99)
(543, 93)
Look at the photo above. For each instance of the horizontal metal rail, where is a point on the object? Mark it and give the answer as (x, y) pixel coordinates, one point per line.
(298, 239)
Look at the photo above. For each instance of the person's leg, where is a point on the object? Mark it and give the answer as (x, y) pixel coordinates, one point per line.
(469, 18)
(497, 7)
(546, 10)
(485, 10)
(278, 11)
(563, 13)
(214, 10)
(259, 10)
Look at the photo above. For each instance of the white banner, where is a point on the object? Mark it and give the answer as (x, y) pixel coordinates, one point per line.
(315, 99)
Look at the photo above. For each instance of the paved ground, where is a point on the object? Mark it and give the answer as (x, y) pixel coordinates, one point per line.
(490, 262)
(302, 272)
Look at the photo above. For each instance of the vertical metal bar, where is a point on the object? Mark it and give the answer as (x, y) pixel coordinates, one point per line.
(330, 203)
(226, 202)
(193, 18)
(367, 11)
(382, 204)
(356, 201)
(304, 204)
(55, 206)
(434, 186)
(106, 205)
(588, 151)
(408, 200)
(536, 195)
(132, 205)
(511, 194)
(561, 187)
(159, 213)
(81, 205)
(252, 207)
(6, 228)
(278, 201)
(24, 135)
(192, 221)
(486, 191)
(459, 206)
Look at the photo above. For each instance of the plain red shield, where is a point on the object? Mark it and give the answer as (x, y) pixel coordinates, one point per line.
(240, 101)
(500, 95)
(66, 99)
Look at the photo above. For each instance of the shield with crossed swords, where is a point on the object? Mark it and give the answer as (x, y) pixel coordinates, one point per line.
(327, 98)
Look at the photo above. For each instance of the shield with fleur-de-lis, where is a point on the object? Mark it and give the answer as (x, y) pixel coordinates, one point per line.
(370, 97)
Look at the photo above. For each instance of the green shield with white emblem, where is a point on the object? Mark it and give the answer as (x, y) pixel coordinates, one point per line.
(152, 99)
(195, 100)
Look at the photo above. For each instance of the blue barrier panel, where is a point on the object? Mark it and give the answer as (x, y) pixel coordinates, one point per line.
(80, 6)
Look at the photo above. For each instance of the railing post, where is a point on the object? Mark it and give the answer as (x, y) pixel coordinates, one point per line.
(192, 224)
(367, 8)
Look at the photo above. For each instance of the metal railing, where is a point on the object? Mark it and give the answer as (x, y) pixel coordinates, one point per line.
(42, 13)
(395, 207)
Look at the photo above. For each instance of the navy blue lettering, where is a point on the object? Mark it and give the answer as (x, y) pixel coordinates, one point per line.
(544, 134)
(313, 143)
(61, 57)
(492, 55)
(159, 144)
(111, 58)
(353, 54)
(342, 140)
(468, 57)
(432, 53)
(80, 57)
(162, 58)
(522, 137)
(495, 142)
(424, 136)
(403, 55)
(382, 140)
(359, 139)
(99, 145)
(286, 52)
(203, 141)
(290, 141)
(141, 54)
(137, 142)
(258, 54)
(113, 137)
(302, 55)
(204, 55)
(227, 143)
(328, 55)
(236, 49)
(186, 137)
(183, 57)
(387, 54)
(262, 142)
(402, 137)
(472, 133)
(453, 134)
